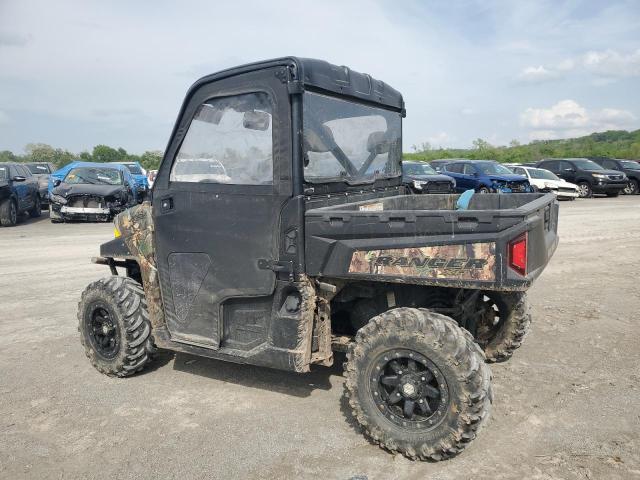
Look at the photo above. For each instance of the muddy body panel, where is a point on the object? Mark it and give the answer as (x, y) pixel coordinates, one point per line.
(424, 240)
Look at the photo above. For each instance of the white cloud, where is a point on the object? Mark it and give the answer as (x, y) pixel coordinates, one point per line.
(537, 74)
(568, 118)
(467, 111)
(10, 39)
(611, 63)
(440, 139)
(4, 118)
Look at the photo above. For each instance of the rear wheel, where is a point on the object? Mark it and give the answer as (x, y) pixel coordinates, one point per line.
(483, 190)
(418, 384)
(503, 324)
(37, 208)
(584, 190)
(8, 213)
(114, 326)
(631, 188)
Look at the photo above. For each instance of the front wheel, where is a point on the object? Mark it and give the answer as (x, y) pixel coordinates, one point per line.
(631, 188)
(584, 190)
(418, 384)
(114, 326)
(483, 190)
(8, 213)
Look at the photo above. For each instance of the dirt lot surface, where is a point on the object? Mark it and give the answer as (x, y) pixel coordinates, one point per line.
(566, 406)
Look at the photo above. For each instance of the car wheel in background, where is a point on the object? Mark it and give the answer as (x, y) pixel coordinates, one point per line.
(483, 190)
(584, 190)
(37, 208)
(8, 213)
(631, 188)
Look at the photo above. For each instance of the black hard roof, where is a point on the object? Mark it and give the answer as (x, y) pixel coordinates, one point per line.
(322, 75)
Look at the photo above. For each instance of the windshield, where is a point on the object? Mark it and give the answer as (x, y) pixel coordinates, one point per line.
(133, 168)
(542, 174)
(585, 164)
(630, 165)
(349, 142)
(4, 172)
(38, 168)
(490, 168)
(93, 176)
(418, 169)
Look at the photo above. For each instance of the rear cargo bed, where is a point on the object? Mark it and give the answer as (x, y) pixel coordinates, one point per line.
(423, 239)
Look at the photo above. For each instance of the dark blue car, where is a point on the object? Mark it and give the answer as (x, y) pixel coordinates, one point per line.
(18, 193)
(486, 176)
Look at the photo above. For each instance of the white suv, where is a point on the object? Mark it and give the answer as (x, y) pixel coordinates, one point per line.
(545, 181)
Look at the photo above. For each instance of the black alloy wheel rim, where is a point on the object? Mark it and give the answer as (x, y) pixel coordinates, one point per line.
(409, 389)
(103, 332)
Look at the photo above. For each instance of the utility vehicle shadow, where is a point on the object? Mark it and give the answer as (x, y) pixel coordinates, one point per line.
(288, 383)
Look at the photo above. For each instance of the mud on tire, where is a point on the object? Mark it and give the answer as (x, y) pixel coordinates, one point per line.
(512, 323)
(445, 358)
(114, 326)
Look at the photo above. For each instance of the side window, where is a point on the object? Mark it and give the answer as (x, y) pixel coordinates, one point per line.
(566, 166)
(25, 171)
(610, 164)
(453, 167)
(13, 171)
(469, 169)
(519, 171)
(551, 166)
(229, 141)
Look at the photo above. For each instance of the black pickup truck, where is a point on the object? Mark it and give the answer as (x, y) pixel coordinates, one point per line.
(300, 240)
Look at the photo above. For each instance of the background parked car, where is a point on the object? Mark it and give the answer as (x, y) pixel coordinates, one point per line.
(486, 176)
(151, 177)
(92, 191)
(419, 177)
(18, 193)
(545, 181)
(42, 171)
(589, 176)
(140, 177)
(629, 167)
(438, 165)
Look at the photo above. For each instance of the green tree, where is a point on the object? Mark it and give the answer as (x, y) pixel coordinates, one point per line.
(150, 160)
(104, 153)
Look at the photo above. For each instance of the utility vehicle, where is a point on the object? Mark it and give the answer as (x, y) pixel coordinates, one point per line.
(310, 244)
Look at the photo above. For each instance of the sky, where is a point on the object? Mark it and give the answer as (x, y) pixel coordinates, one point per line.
(76, 73)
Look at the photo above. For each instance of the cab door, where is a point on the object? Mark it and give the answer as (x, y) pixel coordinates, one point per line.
(216, 204)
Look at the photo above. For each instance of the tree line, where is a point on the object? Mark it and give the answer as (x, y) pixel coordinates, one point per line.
(41, 152)
(613, 144)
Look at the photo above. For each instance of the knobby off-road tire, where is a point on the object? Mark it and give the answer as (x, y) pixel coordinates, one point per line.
(114, 326)
(504, 327)
(445, 359)
(8, 213)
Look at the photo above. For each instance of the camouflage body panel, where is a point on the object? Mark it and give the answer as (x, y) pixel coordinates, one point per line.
(472, 261)
(136, 228)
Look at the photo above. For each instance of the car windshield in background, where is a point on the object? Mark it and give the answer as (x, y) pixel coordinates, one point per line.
(417, 169)
(630, 165)
(38, 168)
(585, 164)
(133, 169)
(94, 176)
(4, 173)
(542, 174)
(489, 168)
(349, 142)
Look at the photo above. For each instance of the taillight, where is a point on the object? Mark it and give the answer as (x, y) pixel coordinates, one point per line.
(518, 254)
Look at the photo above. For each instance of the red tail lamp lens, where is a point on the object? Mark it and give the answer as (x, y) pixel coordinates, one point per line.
(518, 254)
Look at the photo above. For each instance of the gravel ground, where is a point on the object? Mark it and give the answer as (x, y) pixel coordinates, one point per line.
(567, 405)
